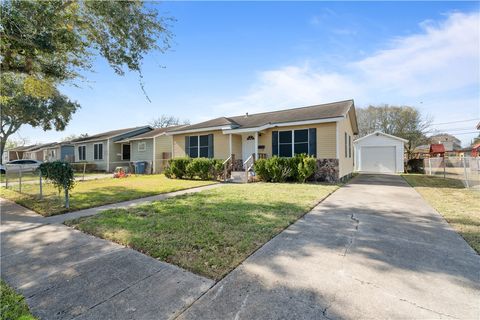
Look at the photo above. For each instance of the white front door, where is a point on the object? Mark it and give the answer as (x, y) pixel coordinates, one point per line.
(248, 146)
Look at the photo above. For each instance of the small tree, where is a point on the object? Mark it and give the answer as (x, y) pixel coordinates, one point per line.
(61, 175)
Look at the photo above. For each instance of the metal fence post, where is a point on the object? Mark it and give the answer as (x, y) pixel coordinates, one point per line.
(444, 166)
(41, 186)
(20, 179)
(465, 171)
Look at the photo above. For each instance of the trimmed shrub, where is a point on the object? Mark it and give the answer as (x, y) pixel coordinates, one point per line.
(178, 167)
(61, 175)
(278, 169)
(306, 168)
(201, 168)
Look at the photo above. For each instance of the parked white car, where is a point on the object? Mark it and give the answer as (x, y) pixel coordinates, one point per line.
(25, 165)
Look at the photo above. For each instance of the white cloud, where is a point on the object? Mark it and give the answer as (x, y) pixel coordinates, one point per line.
(439, 64)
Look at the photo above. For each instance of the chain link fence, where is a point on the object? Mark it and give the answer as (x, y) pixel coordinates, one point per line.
(24, 179)
(466, 169)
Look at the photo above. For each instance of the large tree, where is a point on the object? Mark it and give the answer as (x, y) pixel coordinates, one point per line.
(165, 121)
(20, 108)
(44, 44)
(401, 121)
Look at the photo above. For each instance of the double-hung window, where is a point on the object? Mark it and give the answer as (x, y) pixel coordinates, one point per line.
(285, 144)
(293, 142)
(82, 153)
(98, 151)
(199, 146)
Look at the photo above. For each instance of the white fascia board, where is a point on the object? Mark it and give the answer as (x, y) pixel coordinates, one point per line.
(383, 134)
(199, 130)
(89, 141)
(284, 124)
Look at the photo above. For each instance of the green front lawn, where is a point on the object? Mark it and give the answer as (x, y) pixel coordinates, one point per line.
(93, 193)
(210, 232)
(456, 203)
(13, 305)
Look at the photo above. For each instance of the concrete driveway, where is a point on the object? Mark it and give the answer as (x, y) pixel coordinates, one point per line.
(66, 274)
(373, 250)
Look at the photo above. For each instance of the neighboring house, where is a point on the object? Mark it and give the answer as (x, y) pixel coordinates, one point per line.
(101, 149)
(37, 152)
(61, 151)
(153, 147)
(324, 131)
(450, 143)
(379, 152)
(15, 153)
(437, 150)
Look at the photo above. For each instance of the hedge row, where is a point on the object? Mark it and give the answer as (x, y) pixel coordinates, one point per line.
(276, 169)
(200, 168)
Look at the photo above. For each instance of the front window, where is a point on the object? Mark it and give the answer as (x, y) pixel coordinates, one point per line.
(293, 142)
(285, 143)
(198, 147)
(82, 153)
(98, 151)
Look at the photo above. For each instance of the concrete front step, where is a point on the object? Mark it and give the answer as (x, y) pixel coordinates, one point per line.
(238, 177)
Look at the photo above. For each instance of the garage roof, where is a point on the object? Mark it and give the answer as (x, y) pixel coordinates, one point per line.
(376, 133)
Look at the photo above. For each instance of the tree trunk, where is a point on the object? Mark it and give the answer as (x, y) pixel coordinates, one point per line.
(67, 199)
(3, 142)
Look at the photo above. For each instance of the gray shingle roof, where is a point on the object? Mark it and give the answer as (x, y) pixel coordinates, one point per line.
(106, 135)
(151, 134)
(316, 112)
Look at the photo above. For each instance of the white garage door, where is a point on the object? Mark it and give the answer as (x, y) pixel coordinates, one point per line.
(378, 159)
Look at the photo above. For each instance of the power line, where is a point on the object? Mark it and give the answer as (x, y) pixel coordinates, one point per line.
(434, 124)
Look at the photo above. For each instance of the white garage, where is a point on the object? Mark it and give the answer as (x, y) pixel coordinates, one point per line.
(379, 152)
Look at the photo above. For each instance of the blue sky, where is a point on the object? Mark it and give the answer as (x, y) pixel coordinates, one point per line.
(229, 58)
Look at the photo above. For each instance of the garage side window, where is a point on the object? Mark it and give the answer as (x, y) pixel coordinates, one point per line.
(346, 150)
(349, 146)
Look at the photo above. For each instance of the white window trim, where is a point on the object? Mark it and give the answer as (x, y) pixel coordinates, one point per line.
(82, 146)
(98, 159)
(144, 144)
(293, 141)
(121, 151)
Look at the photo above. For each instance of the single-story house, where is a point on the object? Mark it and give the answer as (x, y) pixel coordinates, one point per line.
(36, 152)
(101, 149)
(61, 151)
(379, 152)
(15, 153)
(153, 147)
(324, 131)
(437, 150)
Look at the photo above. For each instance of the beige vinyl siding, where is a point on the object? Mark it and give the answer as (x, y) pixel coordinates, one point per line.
(345, 163)
(237, 146)
(163, 144)
(326, 138)
(221, 144)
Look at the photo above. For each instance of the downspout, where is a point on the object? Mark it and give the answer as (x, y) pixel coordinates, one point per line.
(108, 155)
(154, 156)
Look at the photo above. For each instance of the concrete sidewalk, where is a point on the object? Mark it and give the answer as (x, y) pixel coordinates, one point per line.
(126, 204)
(66, 274)
(372, 250)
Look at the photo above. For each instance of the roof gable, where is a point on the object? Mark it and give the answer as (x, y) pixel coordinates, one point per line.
(376, 133)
